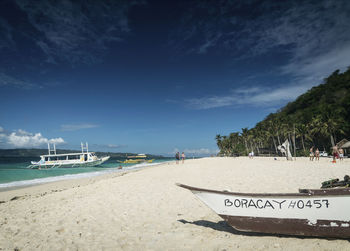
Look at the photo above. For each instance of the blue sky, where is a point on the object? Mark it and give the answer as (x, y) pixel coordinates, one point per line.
(158, 76)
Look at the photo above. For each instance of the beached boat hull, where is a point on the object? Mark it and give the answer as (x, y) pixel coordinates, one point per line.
(300, 227)
(319, 212)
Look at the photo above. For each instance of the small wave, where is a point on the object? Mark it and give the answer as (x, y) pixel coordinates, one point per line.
(53, 179)
(141, 165)
(75, 176)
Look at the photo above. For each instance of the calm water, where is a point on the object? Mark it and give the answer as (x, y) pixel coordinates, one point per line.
(14, 171)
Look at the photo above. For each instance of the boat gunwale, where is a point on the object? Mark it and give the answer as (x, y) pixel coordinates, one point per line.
(302, 192)
(64, 154)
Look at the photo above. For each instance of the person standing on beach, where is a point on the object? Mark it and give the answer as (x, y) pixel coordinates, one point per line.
(183, 157)
(335, 153)
(317, 154)
(177, 157)
(312, 153)
(341, 154)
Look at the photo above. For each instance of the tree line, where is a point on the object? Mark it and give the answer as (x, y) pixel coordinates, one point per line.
(320, 118)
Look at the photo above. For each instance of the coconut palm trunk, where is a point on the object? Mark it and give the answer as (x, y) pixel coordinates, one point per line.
(302, 142)
(332, 140)
(274, 143)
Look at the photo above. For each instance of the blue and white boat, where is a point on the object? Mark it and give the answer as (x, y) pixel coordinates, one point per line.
(80, 159)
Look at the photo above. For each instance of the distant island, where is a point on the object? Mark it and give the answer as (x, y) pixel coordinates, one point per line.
(35, 153)
(319, 118)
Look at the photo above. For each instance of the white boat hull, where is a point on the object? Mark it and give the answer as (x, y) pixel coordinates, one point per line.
(69, 164)
(323, 212)
(291, 207)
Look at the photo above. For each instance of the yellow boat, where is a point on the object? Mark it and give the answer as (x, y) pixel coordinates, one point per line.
(140, 158)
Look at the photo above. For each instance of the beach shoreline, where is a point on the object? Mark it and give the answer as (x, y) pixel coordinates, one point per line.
(145, 210)
(7, 193)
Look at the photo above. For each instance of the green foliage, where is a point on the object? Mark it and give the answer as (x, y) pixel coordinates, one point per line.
(320, 117)
(239, 149)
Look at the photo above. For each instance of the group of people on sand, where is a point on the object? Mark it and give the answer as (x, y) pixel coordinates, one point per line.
(336, 153)
(177, 157)
(314, 155)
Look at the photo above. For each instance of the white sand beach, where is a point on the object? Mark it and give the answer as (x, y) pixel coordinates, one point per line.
(145, 210)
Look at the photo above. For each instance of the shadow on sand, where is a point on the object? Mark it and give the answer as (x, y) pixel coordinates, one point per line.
(223, 226)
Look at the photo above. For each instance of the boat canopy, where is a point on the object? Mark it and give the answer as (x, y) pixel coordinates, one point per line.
(66, 154)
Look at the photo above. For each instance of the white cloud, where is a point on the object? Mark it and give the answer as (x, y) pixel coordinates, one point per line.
(314, 35)
(200, 151)
(210, 42)
(6, 33)
(23, 139)
(319, 38)
(2, 137)
(196, 152)
(69, 31)
(108, 147)
(315, 69)
(254, 97)
(76, 127)
(305, 72)
(113, 146)
(210, 102)
(1, 129)
(6, 80)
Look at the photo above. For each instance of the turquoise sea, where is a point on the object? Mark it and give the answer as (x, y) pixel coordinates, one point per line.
(14, 171)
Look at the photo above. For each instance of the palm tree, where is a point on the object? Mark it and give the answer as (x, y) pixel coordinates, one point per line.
(301, 132)
(225, 145)
(277, 126)
(234, 140)
(218, 141)
(270, 133)
(244, 134)
(330, 127)
(329, 122)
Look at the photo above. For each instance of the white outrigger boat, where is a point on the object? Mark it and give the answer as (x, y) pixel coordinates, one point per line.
(54, 160)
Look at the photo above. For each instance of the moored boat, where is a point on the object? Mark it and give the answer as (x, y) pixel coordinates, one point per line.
(311, 212)
(80, 159)
(140, 158)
